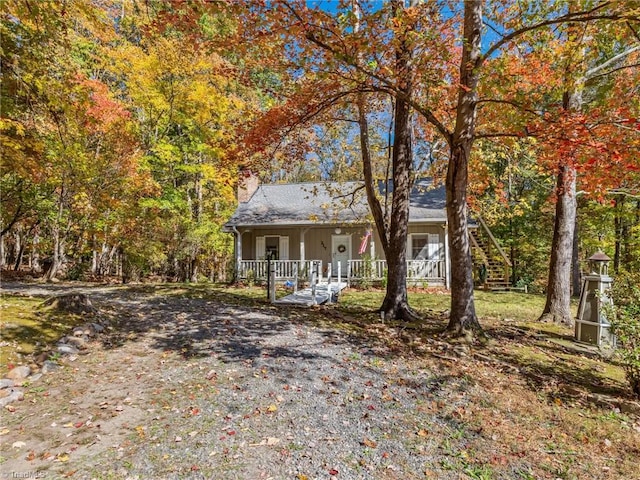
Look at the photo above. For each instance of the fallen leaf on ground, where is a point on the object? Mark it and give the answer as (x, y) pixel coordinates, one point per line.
(369, 443)
(18, 444)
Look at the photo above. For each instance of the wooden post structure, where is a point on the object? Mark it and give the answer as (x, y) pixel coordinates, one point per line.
(268, 278)
(295, 277)
(314, 276)
(272, 283)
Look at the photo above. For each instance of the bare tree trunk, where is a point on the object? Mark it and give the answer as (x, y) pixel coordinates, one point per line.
(3, 253)
(463, 319)
(617, 230)
(558, 306)
(575, 261)
(395, 303)
(19, 248)
(35, 253)
(57, 240)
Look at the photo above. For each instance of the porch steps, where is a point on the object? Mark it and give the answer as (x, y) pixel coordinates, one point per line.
(304, 298)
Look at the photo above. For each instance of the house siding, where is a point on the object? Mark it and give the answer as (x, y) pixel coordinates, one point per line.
(318, 240)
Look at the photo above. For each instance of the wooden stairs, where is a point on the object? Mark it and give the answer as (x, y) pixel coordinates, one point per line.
(492, 267)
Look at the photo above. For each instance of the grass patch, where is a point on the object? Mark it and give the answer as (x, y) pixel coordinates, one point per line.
(28, 329)
(508, 305)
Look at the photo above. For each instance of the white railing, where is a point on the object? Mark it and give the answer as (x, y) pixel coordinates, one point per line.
(425, 269)
(429, 270)
(373, 269)
(285, 269)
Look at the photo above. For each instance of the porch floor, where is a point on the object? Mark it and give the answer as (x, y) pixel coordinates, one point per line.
(304, 298)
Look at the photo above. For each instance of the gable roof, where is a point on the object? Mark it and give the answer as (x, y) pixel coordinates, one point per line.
(316, 203)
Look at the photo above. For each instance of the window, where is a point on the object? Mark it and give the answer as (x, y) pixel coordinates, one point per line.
(425, 246)
(419, 247)
(272, 248)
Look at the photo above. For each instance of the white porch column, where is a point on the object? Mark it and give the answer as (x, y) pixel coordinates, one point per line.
(302, 253)
(372, 247)
(238, 251)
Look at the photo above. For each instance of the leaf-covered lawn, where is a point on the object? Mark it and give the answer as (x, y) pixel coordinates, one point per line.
(203, 380)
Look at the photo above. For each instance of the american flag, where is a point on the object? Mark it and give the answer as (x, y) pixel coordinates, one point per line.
(365, 241)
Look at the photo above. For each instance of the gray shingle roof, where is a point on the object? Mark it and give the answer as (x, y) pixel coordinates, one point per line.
(329, 202)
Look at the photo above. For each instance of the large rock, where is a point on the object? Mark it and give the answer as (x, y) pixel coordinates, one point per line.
(15, 395)
(19, 373)
(67, 349)
(50, 366)
(78, 342)
(6, 383)
(97, 328)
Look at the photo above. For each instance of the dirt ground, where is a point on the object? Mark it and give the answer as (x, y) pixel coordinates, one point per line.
(212, 385)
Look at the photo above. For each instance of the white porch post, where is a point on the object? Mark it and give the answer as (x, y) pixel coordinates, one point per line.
(372, 247)
(302, 253)
(238, 251)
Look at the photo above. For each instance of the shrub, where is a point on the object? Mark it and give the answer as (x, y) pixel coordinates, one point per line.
(625, 324)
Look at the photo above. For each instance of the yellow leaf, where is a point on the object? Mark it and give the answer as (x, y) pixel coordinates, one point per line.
(62, 457)
(272, 408)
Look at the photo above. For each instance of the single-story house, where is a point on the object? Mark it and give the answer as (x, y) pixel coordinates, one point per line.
(327, 226)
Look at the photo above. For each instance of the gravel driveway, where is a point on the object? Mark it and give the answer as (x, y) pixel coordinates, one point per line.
(214, 389)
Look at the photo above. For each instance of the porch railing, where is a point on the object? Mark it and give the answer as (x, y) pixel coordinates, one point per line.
(285, 269)
(417, 271)
(357, 270)
(370, 269)
(426, 270)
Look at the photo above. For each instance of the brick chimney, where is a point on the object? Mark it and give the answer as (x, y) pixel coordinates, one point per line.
(248, 183)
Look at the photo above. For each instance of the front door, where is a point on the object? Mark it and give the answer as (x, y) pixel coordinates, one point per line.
(340, 252)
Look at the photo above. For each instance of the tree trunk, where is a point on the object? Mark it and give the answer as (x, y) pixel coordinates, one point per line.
(558, 306)
(575, 261)
(463, 319)
(57, 240)
(3, 253)
(35, 253)
(19, 248)
(56, 260)
(395, 303)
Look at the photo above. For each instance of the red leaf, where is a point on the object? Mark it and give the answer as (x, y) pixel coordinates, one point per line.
(333, 471)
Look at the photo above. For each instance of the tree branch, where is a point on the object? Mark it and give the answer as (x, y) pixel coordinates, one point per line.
(590, 73)
(389, 87)
(571, 17)
(511, 103)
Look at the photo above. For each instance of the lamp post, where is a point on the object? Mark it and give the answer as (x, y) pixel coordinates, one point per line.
(591, 322)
